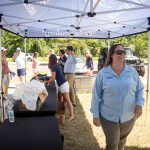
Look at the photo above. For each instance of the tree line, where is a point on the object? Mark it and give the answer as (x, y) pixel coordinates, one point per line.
(138, 43)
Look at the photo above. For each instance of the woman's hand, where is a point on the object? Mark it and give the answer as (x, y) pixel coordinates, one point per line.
(138, 111)
(96, 122)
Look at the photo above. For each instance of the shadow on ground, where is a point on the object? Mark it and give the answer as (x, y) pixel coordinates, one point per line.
(136, 148)
(78, 134)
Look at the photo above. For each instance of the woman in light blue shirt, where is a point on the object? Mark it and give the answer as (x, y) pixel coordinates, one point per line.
(117, 98)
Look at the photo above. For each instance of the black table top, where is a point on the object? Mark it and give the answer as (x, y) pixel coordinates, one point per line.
(35, 133)
(48, 108)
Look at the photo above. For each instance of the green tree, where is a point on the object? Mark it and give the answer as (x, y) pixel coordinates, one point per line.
(37, 45)
(138, 44)
(11, 42)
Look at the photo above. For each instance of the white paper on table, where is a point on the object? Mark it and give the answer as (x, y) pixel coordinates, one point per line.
(29, 92)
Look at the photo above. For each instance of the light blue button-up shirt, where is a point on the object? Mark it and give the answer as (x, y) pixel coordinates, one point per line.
(115, 97)
(69, 66)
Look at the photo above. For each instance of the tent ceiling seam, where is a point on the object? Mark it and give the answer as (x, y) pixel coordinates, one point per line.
(59, 8)
(121, 10)
(131, 2)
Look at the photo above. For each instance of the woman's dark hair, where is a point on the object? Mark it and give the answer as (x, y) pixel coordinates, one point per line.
(62, 51)
(35, 54)
(52, 60)
(110, 53)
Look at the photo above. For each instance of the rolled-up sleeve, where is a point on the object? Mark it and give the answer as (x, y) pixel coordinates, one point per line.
(96, 96)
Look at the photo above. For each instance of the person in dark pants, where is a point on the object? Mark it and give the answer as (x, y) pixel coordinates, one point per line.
(89, 60)
(89, 63)
(117, 98)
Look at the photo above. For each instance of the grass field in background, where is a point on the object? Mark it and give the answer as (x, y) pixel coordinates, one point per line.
(40, 59)
(46, 59)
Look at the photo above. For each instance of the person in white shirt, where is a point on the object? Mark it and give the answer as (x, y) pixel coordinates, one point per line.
(19, 58)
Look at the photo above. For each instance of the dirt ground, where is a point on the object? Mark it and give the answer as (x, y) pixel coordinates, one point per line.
(81, 134)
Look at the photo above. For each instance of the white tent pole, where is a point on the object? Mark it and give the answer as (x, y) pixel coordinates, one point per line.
(108, 44)
(25, 51)
(83, 14)
(108, 41)
(91, 5)
(148, 60)
(148, 70)
(92, 10)
(0, 60)
(1, 90)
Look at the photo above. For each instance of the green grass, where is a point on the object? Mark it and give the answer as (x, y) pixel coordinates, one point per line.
(43, 59)
(46, 59)
(95, 58)
(9, 59)
(81, 134)
(40, 59)
(145, 59)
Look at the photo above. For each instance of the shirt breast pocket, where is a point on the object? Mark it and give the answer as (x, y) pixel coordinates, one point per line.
(108, 84)
(131, 85)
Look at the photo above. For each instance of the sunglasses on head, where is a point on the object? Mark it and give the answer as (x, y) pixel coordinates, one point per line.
(119, 52)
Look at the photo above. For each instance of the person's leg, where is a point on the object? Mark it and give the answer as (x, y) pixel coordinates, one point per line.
(5, 84)
(70, 78)
(125, 129)
(21, 74)
(3, 87)
(67, 99)
(60, 97)
(21, 78)
(112, 133)
(61, 109)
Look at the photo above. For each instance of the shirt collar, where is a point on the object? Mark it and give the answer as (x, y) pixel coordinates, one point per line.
(112, 72)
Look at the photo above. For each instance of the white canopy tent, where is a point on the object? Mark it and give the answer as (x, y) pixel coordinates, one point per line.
(75, 18)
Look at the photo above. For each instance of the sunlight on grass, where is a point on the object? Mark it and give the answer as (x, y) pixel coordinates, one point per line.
(140, 135)
(138, 139)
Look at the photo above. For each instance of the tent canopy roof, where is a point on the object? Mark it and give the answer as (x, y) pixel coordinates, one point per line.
(75, 18)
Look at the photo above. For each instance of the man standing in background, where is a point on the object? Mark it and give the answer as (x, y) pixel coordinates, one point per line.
(69, 70)
(5, 74)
